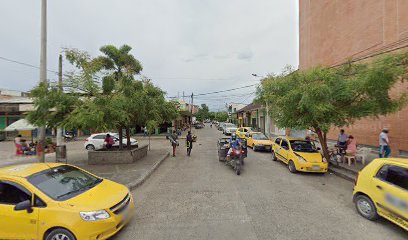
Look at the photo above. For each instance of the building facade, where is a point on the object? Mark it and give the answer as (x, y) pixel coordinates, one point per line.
(331, 32)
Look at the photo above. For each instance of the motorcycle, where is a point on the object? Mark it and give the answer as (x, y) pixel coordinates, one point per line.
(69, 137)
(236, 160)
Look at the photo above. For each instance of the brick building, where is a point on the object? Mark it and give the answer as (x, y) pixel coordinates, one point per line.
(332, 32)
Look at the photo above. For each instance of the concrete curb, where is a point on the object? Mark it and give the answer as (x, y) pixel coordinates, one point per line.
(144, 177)
(342, 174)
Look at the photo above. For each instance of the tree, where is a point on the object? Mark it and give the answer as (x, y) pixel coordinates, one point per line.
(122, 66)
(203, 113)
(221, 116)
(321, 98)
(51, 106)
(101, 94)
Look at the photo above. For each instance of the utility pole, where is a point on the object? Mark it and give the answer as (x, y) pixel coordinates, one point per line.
(59, 130)
(192, 106)
(43, 75)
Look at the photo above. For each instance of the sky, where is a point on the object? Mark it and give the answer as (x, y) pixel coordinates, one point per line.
(190, 46)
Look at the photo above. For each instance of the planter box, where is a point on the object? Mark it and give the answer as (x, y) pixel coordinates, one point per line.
(116, 157)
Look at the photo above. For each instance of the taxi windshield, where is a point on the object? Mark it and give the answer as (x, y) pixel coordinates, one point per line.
(302, 146)
(63, 182)
(259, 136)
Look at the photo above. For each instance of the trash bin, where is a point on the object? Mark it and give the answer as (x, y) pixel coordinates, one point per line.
(61, 153)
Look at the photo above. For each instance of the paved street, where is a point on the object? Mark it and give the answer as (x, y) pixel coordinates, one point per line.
(200, 198)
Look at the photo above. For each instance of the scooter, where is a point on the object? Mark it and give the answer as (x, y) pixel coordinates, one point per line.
(69, 137)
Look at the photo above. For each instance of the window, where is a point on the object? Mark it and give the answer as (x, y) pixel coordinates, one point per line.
(285, 144)
(100, 136)
(63, 182)
(277, 141)
(11, 193)
(395, 175)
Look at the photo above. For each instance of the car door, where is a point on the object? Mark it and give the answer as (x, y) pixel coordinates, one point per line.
(99, 141)
(284, 150)
(390, 186)
(249, 139)
(276, 147)
(16, 224)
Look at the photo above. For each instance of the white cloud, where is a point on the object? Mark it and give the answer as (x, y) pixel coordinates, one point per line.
(193, 42)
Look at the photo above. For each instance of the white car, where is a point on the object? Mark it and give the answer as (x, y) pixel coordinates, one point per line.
(230, 128)
(97, 141)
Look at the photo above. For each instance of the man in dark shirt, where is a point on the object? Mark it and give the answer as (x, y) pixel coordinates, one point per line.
(189, 143)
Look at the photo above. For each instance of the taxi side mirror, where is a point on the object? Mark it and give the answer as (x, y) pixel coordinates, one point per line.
(24, 205)
(318, 149)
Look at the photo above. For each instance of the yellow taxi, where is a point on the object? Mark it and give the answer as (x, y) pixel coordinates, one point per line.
(57, 201)
(381, 189)
(299, 154)
(242, 131)
(258, 141)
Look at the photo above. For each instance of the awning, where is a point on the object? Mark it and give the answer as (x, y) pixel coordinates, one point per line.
(20, 125)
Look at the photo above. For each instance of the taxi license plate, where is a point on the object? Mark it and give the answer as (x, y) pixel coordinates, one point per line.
(316, 168)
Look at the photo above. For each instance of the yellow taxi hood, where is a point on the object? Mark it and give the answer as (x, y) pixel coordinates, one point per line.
(103, 196)
(315, 157)
(264, 142)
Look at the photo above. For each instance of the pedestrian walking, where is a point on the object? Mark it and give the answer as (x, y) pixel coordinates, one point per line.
(145, 132)
(173, 140)
(342, 139)
(189, 143)
(384, 141)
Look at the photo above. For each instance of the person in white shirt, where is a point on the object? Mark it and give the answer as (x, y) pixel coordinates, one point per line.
(384, 142)
(17, 140)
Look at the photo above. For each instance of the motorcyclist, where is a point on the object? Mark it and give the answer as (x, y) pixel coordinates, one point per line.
(235, 143)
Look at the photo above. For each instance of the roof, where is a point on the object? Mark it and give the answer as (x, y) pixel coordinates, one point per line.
(25, 170)
(291, 138)
(249, 107)
(397, 160)
(12, 99)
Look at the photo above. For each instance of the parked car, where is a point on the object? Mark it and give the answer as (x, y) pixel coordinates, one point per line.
(299, 154)
(58, 201)
(258, 141)
(229, 128)
(221, 126)
(242, 131)
(381, 189)
(96, 141)
(199, 125)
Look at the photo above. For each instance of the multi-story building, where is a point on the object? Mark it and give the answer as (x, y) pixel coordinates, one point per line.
(331, 32)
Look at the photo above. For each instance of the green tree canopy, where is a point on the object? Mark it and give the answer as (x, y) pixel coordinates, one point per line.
(203, 113)
(320, 98)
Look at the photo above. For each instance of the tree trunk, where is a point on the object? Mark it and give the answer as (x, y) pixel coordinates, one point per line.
(128, 137)
(323, 142)
(120, 138)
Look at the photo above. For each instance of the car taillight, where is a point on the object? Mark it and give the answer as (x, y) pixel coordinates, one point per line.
(355, 181)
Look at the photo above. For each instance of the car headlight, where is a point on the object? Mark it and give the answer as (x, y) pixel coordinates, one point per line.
(324, 159)
(301, 159)
(94, 216)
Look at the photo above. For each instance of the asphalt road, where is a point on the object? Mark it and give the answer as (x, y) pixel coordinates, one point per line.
(201, 198)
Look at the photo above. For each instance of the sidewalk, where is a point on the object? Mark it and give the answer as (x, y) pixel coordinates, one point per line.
(131, 175)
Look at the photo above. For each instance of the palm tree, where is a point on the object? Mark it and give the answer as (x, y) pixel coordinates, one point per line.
(123, 66)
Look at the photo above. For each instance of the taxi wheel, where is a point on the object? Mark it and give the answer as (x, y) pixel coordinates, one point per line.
(366, 208)
(274, 156)
(60, 234)
(292, 167)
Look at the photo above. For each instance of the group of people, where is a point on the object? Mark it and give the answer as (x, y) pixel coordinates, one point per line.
(22, 147)
(174, 142)
(348, 144)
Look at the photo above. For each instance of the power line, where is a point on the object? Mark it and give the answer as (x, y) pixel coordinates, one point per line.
(24, 64)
